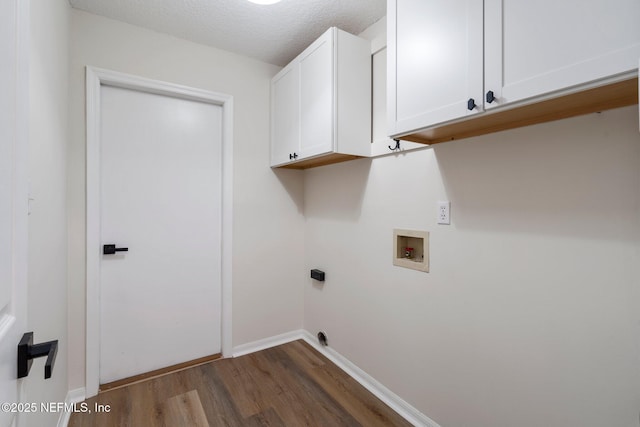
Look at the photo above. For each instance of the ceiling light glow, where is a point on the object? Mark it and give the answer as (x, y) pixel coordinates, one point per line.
(264, 1)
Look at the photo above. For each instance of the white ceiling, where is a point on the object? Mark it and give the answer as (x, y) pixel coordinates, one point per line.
(273, 34)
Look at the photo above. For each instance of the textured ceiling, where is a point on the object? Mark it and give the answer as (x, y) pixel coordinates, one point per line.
(274, 33)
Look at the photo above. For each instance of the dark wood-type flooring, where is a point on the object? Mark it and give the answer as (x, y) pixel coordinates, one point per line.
(288, 385)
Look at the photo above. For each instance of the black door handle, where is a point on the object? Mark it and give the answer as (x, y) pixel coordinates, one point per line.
(490, 97)
(471, 104)
(27, 351)
(111, 249)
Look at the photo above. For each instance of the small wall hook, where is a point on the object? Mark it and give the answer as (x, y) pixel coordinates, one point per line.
(397, 147)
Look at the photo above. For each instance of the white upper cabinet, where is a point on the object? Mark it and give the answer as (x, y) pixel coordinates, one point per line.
(502, 53)
(539, 47)
(321, 103)
(434, 61)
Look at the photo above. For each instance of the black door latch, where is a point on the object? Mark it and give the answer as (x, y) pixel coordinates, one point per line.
(27, 351)
(111, 249)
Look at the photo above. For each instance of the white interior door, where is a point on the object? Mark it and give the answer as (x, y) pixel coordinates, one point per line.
(160, 161)
(13, 198)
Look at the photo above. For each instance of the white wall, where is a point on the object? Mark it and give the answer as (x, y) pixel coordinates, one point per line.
(48, 128)
(268, 222)
(529, 315)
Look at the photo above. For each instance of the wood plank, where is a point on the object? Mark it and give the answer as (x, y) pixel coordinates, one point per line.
(305, 355)
(258, 373)
(266, 418)
(614, 95)
(145, 408)
(159, 372)
(304, 400)
(121, 405)
(367, 409)
(218, 403)
(323, 160)
(249, 390)
(184, 410)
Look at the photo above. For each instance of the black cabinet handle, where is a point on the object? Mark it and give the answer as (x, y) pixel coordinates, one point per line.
(27, 351)
(471, 104)
(295, 155)
(111, 249)
(290, 156)
(490, 97)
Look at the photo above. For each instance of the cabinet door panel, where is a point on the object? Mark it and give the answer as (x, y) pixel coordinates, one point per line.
(285, 115)
(538, 47)
(316, 98)
(435, 61)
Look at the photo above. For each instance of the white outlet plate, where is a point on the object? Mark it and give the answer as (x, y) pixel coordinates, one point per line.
(444, 210)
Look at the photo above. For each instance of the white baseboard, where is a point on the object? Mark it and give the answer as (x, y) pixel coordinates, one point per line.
(73, 396)
(265, 343)
(391, 399)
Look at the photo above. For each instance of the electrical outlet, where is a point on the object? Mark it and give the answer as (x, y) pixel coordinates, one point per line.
(444, 209)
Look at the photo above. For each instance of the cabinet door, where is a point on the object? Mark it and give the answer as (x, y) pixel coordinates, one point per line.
(538, 47)
(435, 67)
(317, 97)
(285, 115)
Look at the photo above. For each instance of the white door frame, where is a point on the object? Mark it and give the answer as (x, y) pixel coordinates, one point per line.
(15, 133)
(95, 78)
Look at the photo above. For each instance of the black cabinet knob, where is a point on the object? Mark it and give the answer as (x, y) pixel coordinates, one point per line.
(490, 97)
(471, 104)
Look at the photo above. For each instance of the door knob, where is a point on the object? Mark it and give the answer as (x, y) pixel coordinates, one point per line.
(111, 249)
(471, 104)
(490, 97)
(27, 351)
